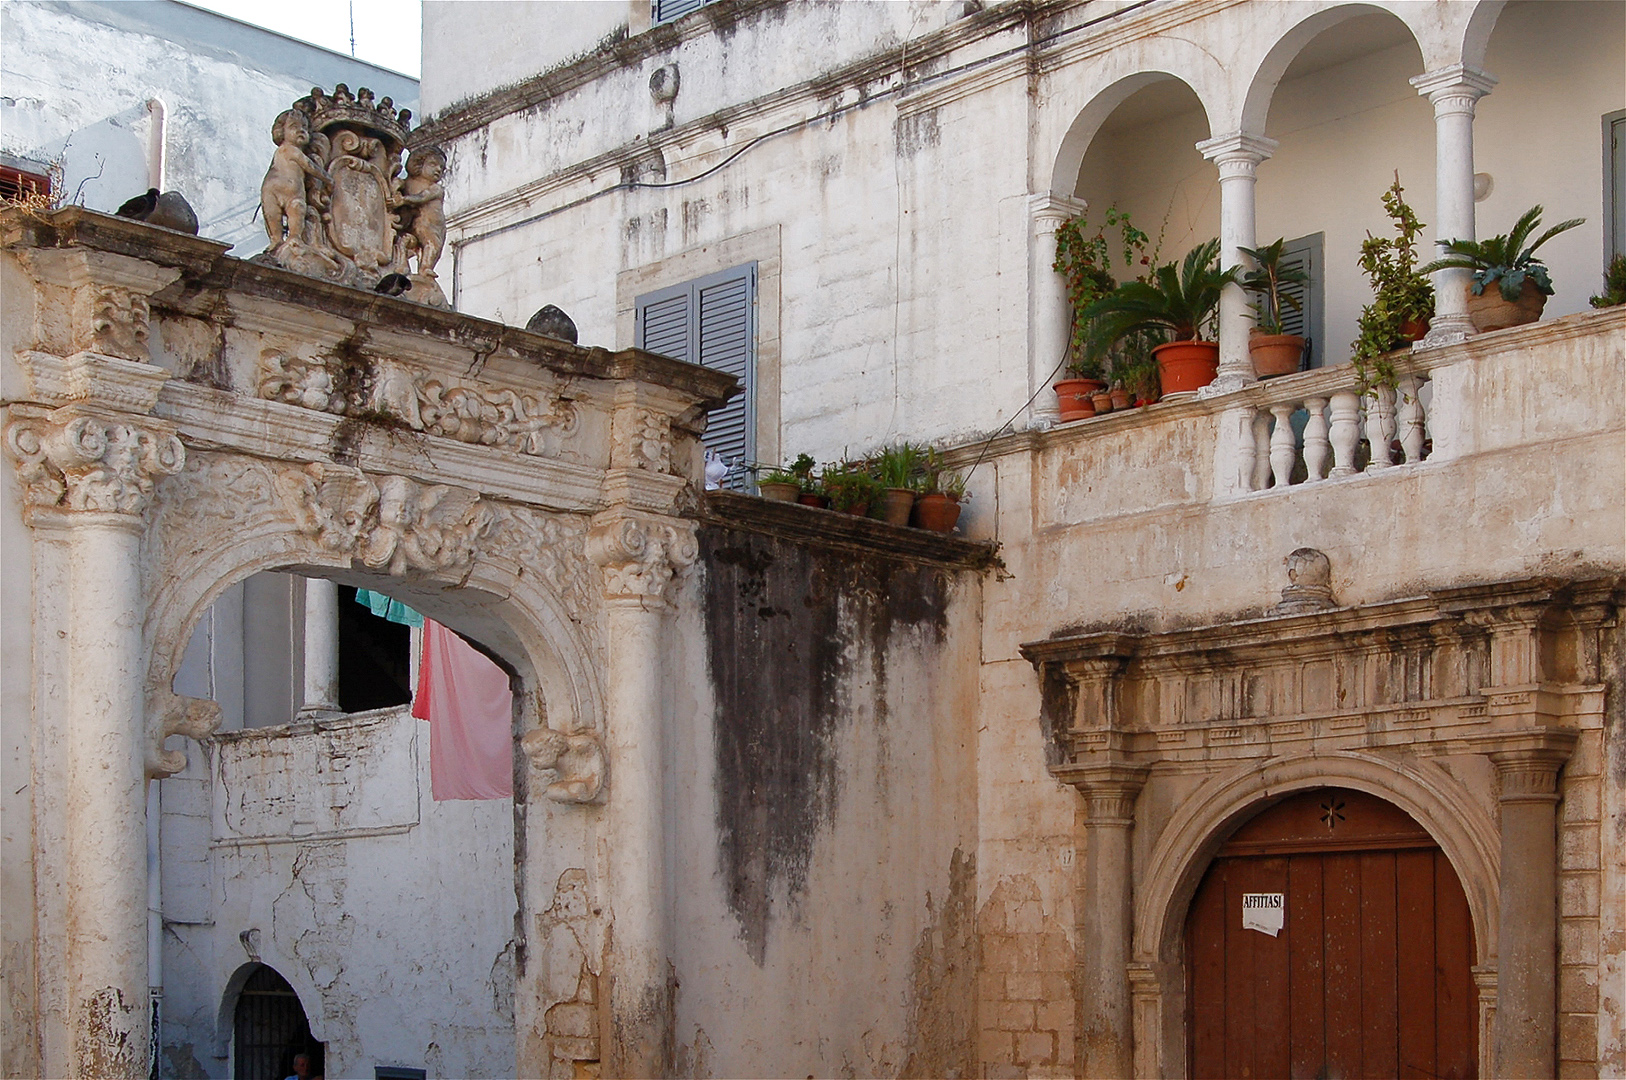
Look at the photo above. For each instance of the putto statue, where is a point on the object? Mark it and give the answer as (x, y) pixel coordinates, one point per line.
(336, 204)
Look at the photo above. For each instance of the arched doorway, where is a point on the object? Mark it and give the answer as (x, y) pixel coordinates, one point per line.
(269, 1029)
(1330, 936)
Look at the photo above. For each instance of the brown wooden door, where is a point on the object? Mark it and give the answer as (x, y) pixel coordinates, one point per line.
(1369, 975)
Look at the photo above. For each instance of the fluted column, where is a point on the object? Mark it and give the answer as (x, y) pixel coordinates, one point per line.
(1105, 918)
(638, 554)
(1238, 156)
(1050, 316)
(321, 696)
(1527, 942)
(1454, 91)
(90, 477)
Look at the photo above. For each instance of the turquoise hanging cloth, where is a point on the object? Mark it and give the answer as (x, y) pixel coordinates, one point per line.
(386, 608)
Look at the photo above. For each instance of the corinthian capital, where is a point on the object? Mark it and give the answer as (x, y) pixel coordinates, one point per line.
(71, 461)
(639, 554)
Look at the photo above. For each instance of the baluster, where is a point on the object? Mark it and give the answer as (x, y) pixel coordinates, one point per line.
(1380, 426)
(1345, 430)
(1261, 450)
(1284, 448)
(1411, 418)
(1316, 446)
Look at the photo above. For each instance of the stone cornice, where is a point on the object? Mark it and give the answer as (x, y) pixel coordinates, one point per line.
(209, 278)
(845, 532)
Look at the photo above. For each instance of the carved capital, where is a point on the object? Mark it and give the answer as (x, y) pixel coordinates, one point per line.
(1109, 791)
(1527, 762)
(111, 320)
(1454, 89)
(1237, 154)
(641, 438)
(577, 762)
(640, 554)
(392, 524)
(71, 461)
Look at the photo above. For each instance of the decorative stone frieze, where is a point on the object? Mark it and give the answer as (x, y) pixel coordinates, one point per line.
(482, 415)
(640, 554)
(394, 524)
(577, 762)
(642, 439)
(72, 461)
(552, 546)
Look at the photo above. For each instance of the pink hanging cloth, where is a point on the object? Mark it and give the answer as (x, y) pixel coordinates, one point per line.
(466, 700)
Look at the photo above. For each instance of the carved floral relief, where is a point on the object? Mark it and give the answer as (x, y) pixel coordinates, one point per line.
(88, 464)
(112, 321)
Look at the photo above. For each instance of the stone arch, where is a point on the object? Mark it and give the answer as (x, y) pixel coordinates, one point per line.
(310, 1000)
(1465, 832)
(1476, 34)
(1085, 126)
(543, 632)
(1268, 74)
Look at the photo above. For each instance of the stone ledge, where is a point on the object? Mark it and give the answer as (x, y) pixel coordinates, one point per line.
(827, 528)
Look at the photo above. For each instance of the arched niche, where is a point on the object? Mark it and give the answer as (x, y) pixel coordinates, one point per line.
(1087, 125)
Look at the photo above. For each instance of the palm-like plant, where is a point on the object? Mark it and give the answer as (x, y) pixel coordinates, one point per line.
(1178, 301)
(1267, 280)
(1504, 261)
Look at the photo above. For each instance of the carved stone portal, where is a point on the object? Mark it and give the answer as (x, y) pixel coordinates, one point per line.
(336, 203)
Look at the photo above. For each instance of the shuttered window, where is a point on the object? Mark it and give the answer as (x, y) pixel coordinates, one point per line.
(1305, 254)
(1615, 198)
(667, 10)
(712, 321)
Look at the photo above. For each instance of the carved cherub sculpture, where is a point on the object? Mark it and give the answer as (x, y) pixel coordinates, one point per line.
(423, 193)
(282, 192)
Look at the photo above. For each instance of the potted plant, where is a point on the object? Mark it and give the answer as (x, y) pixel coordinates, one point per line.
(1084, 260)
(1522, 284)
(780, 485)
(1273, 351)
(1179, 301)
(896, 468)
(1614, 284)
(1403, 297)
(810, 492)
(851, 488)
(937, 506)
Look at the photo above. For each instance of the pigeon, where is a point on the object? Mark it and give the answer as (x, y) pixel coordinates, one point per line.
(140, 206)
(393, 284)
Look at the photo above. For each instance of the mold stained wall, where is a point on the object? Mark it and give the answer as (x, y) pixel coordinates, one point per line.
(1347, 125)
(825, 862)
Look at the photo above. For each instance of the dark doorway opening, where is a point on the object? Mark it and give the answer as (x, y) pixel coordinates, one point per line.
(270, 1029)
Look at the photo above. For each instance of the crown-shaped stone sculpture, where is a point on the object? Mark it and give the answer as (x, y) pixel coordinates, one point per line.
(337, 204)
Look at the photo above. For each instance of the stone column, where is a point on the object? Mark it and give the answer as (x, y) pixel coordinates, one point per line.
(1050, 315)
(1453, 90)
(1105, 918)
(90, 477)
(638, 554)
(1238, 156)
(321, 697)
(1527, 942)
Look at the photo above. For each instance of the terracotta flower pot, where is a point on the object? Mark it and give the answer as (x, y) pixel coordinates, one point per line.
(858, 510)
(1122, 399)
(937, 513)
(1073, 395)
(779, 492)
(1275, 354)
(1488, 311)
(820, 501)
(896, 506)
(1103, 402)
(1186, 366)
(1414, 329)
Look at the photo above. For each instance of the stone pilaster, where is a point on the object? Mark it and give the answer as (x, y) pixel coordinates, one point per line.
(1050, 316)
(1238, 156)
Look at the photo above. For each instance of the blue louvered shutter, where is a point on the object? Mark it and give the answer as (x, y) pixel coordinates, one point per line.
(712, 321)
(667, 10)
(1305, 254)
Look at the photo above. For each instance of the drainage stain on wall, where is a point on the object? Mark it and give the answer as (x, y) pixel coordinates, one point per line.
(794, 634)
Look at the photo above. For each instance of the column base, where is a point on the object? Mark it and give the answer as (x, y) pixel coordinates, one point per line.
(1446, 330)
(1224, 383)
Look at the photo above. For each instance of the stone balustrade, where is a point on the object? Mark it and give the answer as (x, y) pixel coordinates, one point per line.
(1306, 434)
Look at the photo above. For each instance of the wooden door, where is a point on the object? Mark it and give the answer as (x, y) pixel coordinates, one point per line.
(1369, 974)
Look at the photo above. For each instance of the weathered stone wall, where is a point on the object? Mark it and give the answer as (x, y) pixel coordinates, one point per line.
(825, 806)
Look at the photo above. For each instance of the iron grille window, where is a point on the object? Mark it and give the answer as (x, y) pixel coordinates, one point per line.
(712, 321)
(270, 1029)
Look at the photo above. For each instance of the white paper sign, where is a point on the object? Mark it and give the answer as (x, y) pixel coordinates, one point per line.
(1263, 911)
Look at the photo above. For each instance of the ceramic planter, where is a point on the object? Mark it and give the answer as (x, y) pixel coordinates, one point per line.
(896, 505)
(1414, 329)
(1275, 354)
(780, 492)
(937, 513)
(1122, 399)
(820, 501)
(1186, 366)
(1488, 311)
(1073, 396)
(1103, 401)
